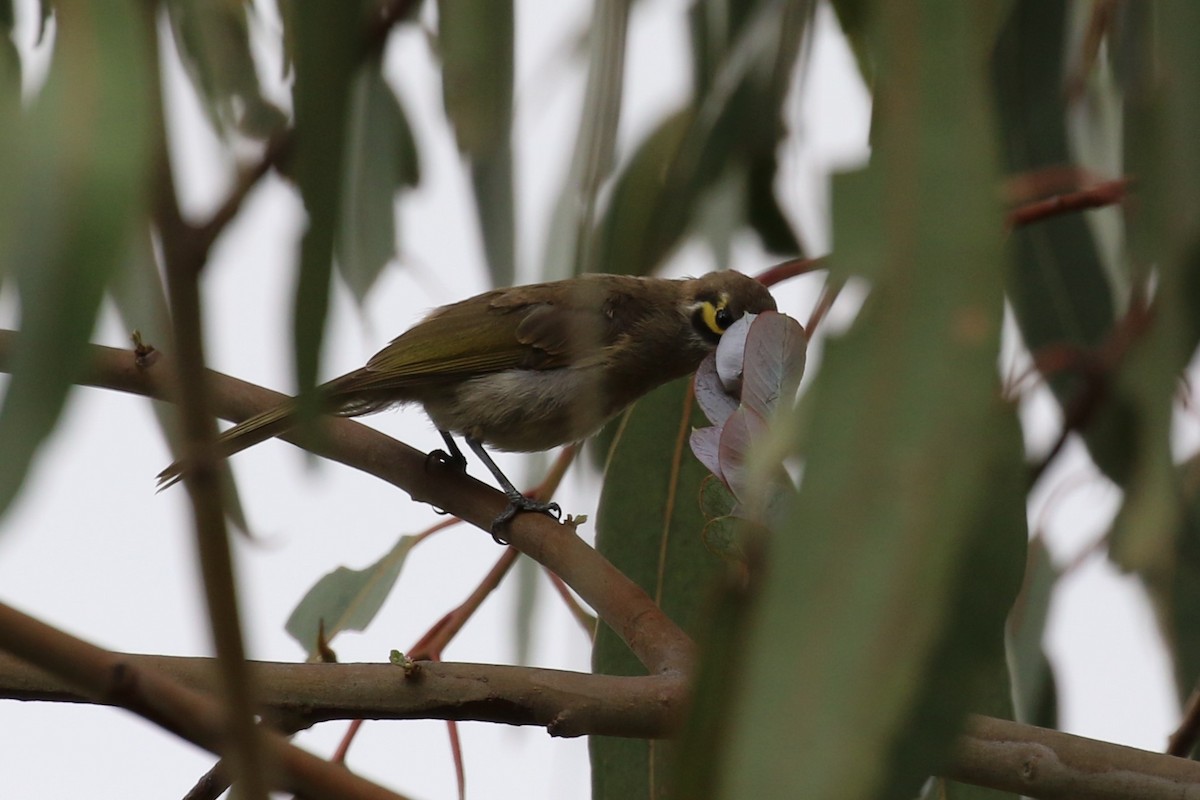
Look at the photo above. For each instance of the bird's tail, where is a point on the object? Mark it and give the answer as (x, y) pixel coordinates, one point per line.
(258, 428)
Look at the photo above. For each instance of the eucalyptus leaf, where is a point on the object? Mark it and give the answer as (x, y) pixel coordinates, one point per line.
(1035, 697)
(1058, 285)
(346, 599)
(327, 37)
(80, 159)
(381, 160)
(569, 246)
(475, 41)
(213, 41)
(857, 609)
(1165, 232)
(649, 525)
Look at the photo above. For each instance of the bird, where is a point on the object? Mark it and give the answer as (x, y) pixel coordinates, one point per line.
(528, 368)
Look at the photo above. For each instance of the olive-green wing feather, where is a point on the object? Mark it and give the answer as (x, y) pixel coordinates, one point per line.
(531, 328)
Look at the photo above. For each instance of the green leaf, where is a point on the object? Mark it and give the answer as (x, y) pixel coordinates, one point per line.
(1058, 286)
(1035, 695)
(858, 608)
(327, 48)
(569, 248)
(1165, 232)
(10, 60)
(212, 38)
(648, 524)
(475, 40)
(72, 200)
(1176, 594)
(346, 599)
(727, 130)
(381, 160)
(643, 218)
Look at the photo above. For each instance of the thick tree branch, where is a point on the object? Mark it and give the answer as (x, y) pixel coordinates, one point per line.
(997, 753)
(657, 642)
(1050, 765)
(565, 703)
(113, 679)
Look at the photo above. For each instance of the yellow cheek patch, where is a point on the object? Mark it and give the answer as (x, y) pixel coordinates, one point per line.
(709, 311)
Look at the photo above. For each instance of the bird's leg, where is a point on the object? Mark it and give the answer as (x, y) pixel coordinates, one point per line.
(450, 457)
(517, 502)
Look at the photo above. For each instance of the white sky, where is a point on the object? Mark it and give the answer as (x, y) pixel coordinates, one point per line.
(91, 548)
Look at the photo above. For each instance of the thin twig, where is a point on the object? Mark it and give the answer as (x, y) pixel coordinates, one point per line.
(1104, 194)
(789, 269)
(183, 251)
(581, 615)
(829, 295)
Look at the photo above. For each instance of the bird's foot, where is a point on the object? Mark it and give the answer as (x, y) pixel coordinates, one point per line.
(518, 503)
(453, 461)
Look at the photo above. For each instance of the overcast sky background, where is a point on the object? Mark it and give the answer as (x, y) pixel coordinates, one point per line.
(91, 548)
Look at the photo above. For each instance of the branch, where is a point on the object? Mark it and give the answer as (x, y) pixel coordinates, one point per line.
(1004, 755)
(183, 254)
(565, 703)
(1051, 765)
(656, 641)
(113, 679)
(1098, 196)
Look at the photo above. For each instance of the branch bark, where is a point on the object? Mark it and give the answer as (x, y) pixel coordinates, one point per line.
(1000, 754)
(658, 643)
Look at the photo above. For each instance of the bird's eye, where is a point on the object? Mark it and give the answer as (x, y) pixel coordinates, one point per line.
(717, 316)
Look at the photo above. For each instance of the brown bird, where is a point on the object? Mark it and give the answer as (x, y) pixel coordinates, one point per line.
(532, 367)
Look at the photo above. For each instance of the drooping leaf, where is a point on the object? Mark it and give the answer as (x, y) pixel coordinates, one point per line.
(327, 42)
(213, 41)
(346, 599)
(74, 192)
(569, 247)
(649, 525)
(1035, 697)
(730, 125)
(10, 59)
(1058, 286)
(864, 577)
(1164, 231)
(381, 160)
(475, 41)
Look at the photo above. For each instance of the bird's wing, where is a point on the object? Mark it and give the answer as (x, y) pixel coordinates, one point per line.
(527, 328)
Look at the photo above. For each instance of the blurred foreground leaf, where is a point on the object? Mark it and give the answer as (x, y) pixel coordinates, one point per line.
(71, 202)
(327, 48)
(212, 38)
(1057, 285)
(913, 478)
(1162, 93)
(381, 160)
(475, 40)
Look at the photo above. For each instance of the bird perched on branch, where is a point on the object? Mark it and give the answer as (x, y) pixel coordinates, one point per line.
(529, 368)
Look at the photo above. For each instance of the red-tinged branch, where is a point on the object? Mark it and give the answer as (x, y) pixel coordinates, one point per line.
(789, 269)
(1098, 196)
